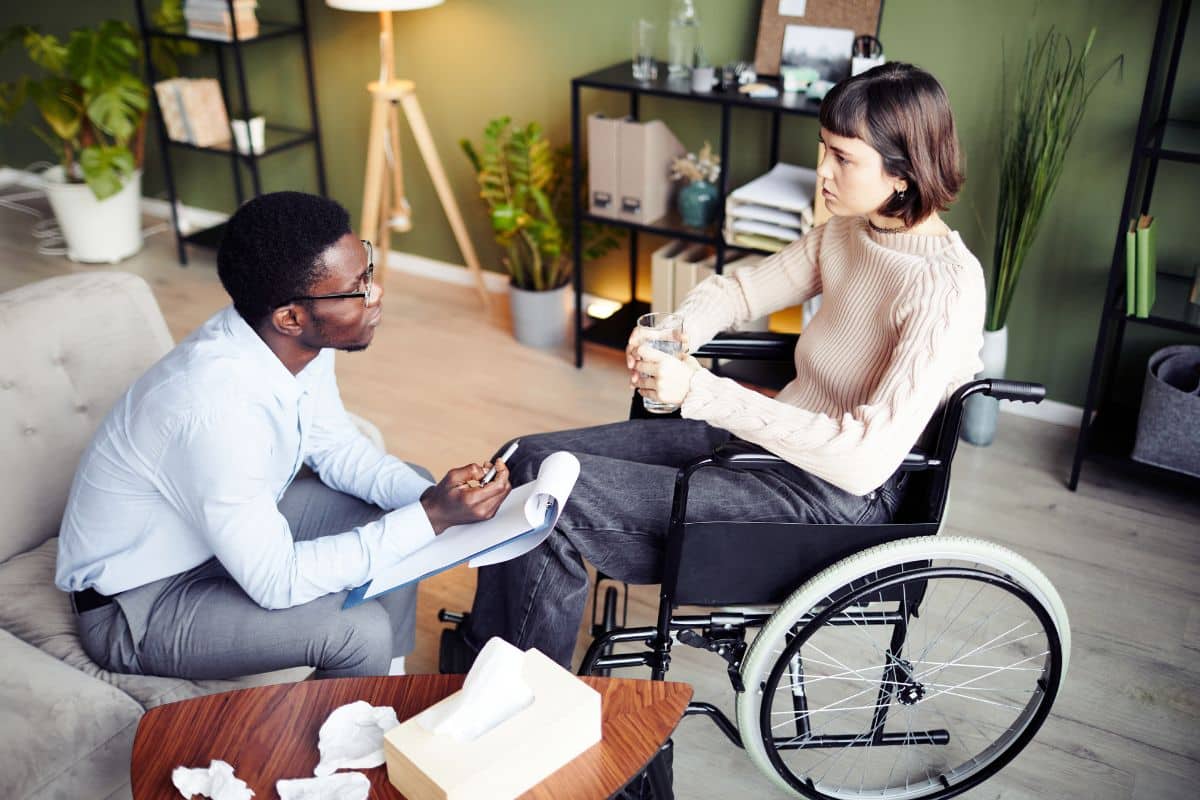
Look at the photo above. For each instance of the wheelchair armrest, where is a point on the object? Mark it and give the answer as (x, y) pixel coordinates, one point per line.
(743, 455)
(752, 345)
(916, 461)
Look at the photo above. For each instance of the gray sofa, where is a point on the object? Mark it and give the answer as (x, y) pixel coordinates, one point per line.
(69, 346)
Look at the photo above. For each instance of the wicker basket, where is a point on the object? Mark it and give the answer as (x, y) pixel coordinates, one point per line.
(1168, 429)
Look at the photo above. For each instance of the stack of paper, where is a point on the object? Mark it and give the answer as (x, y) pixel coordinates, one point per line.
(193, 111)
(773, 210)
(210, 19)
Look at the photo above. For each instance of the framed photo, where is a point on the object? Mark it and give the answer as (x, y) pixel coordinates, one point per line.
(813, 33)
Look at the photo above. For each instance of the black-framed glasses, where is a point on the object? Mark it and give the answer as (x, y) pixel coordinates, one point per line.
(364, 293)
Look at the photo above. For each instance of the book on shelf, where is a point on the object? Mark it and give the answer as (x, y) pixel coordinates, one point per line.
(193, 111)
(1146, 266)
(210, 19)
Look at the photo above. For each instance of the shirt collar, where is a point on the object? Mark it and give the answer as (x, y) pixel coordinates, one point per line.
(275, 375)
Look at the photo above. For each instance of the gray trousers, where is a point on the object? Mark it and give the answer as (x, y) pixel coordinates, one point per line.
(200, 624)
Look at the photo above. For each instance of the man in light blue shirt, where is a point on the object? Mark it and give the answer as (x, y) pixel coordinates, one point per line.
(189, 544)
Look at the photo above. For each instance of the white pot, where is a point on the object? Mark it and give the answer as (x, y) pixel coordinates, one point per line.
(97, 231)
(980, 413)
(539, 318)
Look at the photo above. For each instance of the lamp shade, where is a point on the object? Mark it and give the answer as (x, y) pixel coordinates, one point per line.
(381, 5)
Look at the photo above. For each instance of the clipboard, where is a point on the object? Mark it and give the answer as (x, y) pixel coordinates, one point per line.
(523, 521)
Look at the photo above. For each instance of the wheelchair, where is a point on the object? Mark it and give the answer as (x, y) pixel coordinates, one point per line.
(889, 661)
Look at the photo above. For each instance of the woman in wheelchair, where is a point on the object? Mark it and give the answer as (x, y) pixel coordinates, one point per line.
(933, 659)
(898, 330)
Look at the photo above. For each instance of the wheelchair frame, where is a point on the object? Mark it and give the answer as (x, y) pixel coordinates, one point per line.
(723, 632)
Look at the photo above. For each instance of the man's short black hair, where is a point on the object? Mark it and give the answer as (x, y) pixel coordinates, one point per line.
(271, 251)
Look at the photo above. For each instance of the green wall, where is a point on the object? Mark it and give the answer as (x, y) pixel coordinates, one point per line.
(476, 59)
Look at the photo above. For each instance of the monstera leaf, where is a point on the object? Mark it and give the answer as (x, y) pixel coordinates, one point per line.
(106, 168)
(119, 108)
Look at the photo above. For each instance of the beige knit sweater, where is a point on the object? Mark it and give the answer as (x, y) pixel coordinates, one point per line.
(899, 329)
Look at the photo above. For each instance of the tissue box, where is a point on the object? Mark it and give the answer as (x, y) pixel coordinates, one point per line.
(561, 723)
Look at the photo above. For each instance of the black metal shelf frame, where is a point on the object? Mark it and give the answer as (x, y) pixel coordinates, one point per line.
(1107, 429)
(619, 78)
(279, 137)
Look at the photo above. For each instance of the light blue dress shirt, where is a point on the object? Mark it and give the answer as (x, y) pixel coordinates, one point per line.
(192, 461)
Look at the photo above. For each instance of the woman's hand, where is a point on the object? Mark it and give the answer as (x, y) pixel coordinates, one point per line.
(639, 337)
(663, 377)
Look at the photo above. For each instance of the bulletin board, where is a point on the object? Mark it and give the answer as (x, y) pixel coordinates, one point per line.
(860, 16)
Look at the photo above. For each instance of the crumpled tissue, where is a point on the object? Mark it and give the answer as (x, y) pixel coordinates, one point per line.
(342, 786)
(352, 737)
(216, 781)
(493, 691)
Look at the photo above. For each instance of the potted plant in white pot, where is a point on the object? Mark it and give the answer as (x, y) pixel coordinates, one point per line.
(527, 187)
(1051, 95)
(91, 110)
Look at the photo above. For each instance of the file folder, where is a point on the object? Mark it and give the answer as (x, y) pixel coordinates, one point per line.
(646, 150)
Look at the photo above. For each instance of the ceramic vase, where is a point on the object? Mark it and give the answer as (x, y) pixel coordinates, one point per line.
(979, 412)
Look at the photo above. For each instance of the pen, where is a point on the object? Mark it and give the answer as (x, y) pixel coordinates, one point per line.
(491, 473)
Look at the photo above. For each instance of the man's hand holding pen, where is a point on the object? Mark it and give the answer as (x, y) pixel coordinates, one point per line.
(462, 496)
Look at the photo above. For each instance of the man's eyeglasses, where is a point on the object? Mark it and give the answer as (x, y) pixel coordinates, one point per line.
(364, 293)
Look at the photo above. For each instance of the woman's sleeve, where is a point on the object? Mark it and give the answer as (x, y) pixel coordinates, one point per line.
(939, 318)
(782, 280)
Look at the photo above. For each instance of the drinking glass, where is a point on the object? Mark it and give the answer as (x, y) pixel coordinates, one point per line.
(644, 68)
(662, 332)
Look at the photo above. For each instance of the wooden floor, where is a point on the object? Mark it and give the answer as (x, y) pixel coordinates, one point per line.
(447, 385)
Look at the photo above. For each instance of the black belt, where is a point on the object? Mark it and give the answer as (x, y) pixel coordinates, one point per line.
(88, 599)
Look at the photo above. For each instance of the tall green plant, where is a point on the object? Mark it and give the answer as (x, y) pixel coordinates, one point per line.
(1051, 96)
(526, 185)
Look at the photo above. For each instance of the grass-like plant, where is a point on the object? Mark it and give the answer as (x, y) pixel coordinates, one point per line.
(526, 184)
(1051, 96)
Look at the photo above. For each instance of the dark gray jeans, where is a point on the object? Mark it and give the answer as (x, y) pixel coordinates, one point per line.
(617, 518)
(200, 624)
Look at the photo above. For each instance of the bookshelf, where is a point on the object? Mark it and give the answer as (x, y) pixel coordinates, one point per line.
(279, 138)
(1106, 433)
(614, 331)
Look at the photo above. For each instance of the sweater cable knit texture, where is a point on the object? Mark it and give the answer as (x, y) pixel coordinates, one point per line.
(899, 329)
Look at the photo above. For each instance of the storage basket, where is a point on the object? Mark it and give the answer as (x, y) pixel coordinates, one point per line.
(1168, 428)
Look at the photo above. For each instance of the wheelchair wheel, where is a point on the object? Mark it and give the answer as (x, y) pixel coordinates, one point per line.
(915, 669)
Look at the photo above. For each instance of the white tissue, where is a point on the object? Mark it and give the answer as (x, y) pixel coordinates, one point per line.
(352, 737)
(216, 781)
(493, 691)
(342, 786)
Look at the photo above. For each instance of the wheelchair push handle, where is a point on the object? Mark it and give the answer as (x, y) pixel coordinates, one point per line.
(1020, 391)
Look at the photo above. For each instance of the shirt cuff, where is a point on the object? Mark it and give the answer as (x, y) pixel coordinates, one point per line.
(406, 530)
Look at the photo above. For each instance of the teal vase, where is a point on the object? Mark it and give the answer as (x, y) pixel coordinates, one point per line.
(698, 204)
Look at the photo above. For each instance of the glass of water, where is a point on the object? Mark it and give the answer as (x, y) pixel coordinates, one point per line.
(644, 68)
(662, 332)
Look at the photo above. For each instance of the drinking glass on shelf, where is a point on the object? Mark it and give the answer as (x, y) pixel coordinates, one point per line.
(644, 68)
(662, 332)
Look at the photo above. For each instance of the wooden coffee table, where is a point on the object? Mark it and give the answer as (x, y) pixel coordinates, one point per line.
(270, 732)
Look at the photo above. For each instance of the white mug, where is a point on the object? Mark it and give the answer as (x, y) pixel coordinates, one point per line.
(702, 79)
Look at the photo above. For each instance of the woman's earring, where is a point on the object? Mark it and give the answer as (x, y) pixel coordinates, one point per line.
(900, 195)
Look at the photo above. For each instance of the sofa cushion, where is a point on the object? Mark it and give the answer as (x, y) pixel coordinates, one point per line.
(62, 734)
(69, 347)
(33, 609)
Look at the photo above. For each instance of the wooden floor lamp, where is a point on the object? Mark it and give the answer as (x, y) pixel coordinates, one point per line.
(385, 207)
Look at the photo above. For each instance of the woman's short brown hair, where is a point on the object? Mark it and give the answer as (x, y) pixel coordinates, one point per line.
(903, 113)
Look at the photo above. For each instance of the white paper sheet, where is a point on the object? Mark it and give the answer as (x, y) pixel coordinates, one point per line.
(524, 520)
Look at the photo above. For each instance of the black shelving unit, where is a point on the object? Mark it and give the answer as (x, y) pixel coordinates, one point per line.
(278, 138)
(1107, 431)
(614, 331)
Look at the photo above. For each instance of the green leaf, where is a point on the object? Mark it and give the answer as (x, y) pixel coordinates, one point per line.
(12, 97)
(119, 109)
(59, 109)
(105, 169)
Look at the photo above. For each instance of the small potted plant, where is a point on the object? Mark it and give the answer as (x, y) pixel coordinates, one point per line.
(527, 187)
(698, 200)
(92, 106)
